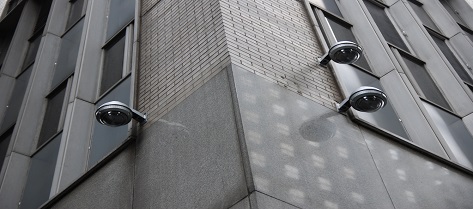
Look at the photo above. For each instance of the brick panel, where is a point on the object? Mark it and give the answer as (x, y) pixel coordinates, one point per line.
(274, 39)
(183, 46)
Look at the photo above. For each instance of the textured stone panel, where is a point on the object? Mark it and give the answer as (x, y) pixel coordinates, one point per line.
(190, 158)
(110, 187)
(303, 153)
(414, 181)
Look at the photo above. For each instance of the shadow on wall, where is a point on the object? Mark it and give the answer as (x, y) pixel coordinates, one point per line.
(319, 128)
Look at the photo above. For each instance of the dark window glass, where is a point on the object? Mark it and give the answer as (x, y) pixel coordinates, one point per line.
(470, 87)
(452, 59)
(385, 118)
(113, 63)
(328, 5)
(75, 13)
(120, 14)
(5, 40)
(11, 5)
(43, 14)
(455, 133)
(4, 143)
(16, 98)
(342, 32)
(67, 59)
(452, 12)
(423, 16)
(425, 83)
(53, 115)
(32, 51)
(385, 25)
(40, 175)
(105, 138)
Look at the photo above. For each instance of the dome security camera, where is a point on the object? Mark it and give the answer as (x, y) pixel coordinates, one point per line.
(343, 52)
(115, 114)
(364, 99)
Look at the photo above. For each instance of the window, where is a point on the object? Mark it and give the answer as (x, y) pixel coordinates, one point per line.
(351, 77)
(454, 13)
(105, 139)
(112, 71)
(385, 118)
(423, 16)
(4, 143)
(16, 99)
(43, 15)
(40, 175)
(342, 32)
(457, 16)
(422, 82)
(385, 25)
(452, 59)
(121, 13)
(12, 4)
(455, 134)
(52, 117)
(32, 50)
(68, 53)
(115, 80)
(76, 11)
(330, 17)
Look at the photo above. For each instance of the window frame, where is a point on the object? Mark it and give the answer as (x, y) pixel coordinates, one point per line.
(329, 35)
(400, 54)
(67, 85)
(70, 25)
(127, 58)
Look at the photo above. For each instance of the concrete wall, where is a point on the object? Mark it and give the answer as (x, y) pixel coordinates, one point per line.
(309, 156)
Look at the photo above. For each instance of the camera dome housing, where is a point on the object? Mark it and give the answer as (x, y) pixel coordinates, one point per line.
(343, 52)
(116, 113)
(364, 99)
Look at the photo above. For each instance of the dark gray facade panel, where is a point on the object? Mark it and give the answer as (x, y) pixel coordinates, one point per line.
(121, 13)
(111, 187)
(75, 12)
(113, 61)
(66, 62)
(385, 25)
(16, 98)
(415, 181)
(455, 133)
(386, 118)
(40, 176)
(303, 153)
(105, 139)
(191, 157)
(52, 116)
(328, 5)
(14, 175)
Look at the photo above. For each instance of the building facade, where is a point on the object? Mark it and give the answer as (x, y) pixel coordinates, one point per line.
(240, 114)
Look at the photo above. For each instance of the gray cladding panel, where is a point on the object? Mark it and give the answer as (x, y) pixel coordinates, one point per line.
(191, 158)
(110, 187)
(445, 80)
(415, 181)
(303, 153)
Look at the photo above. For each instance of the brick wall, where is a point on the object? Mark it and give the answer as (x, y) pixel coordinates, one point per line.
(274, 39)
(183, 45)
